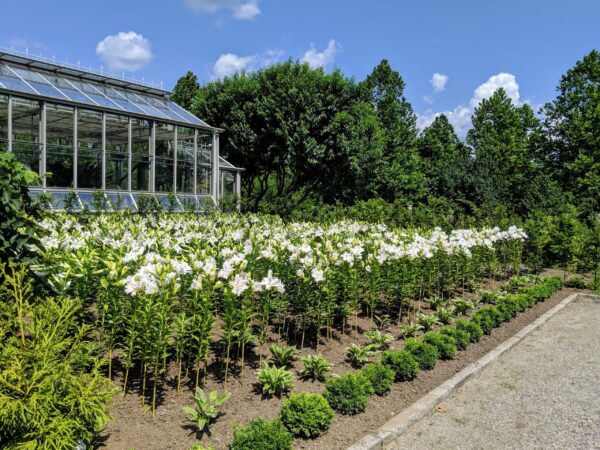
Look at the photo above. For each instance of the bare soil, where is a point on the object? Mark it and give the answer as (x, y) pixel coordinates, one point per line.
(134, 427)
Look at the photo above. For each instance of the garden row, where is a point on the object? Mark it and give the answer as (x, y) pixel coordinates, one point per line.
(309, 415)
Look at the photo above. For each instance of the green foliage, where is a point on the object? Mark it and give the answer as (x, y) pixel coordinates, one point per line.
(403, 363)
(306, 414)
(275, 380)
(410, 330)
(348, 393)
(359, 355)
(283, 356)
(576, 281)
(315, 367)
(380, 340)
(426, 354)
(445, 344)
(19, 214)
(380, 376)
(185, 90)
(461, 338)
(484, 320)
(52, 391)
(470, 326)
(262, 434)
(427, 321)
(462, 306)
(445, 315)
(206, 407)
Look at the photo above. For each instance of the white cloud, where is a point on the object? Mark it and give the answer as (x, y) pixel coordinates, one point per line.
(460, 116)
(507, 81)
(125, 51)
(438, 81)
(241, 9)
(228, 64)
(321, 59)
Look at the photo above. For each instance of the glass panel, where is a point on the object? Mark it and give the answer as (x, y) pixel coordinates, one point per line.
(119, 99)
(59, 197)
(89, 149)
(26, 125)
(162, 107)
(120, 201)
(143, 106)
(117, 151)
(11, 81)
(164, 157)
(187, 115)
(141, 134)
(94, 94)
(3, 122)
(185, 159)
(204, 162)
(38, 83)
(59, 145)
(227, 187)
(68, 89)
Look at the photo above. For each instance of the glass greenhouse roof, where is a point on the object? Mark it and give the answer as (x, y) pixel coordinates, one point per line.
(106, 93)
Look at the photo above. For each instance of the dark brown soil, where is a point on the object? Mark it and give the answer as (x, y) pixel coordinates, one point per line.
(133, 427)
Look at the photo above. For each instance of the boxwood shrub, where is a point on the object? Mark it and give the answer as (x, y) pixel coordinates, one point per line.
(462, 338)
(262, 434)
(403, 363)
(446, 345)
(349, 393)
(381, 377)
(426, 354)
(470, 326)
(306, 414)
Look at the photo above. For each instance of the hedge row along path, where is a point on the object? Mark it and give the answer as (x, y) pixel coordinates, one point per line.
(541, 394)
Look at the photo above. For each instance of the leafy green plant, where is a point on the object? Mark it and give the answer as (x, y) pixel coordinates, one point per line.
(576, 281)
(275, 380)
(283, 356)
(306, 414)
(380, 340)
(435, 302)
(426, 354)
(473, 328)
(462, 306)
(461, 337)
(359, 355)
(315, 367)
(490, 297)
(349, 393)
(410, 330)
(427, 321)
(380, 376)
(264, 435)
(445, 344)
(206, 409)
(403, 363)
(445, 315)
(19, 233)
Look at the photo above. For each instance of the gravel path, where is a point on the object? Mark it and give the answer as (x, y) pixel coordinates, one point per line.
(542, 394)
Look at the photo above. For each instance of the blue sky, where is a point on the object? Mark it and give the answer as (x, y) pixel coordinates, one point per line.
(473, 46)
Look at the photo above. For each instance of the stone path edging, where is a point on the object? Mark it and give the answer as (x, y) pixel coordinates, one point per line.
(397, 425)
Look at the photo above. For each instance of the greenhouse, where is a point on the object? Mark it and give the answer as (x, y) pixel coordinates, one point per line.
(88, 134)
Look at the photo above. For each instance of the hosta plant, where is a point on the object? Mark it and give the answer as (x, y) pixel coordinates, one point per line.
(359, 355)
(379, 339)
(445, 315)
(275, 380)
(206, 408)
(427, 321)
(410, 330)
(315, 367)
(282, 355)
(462, 306)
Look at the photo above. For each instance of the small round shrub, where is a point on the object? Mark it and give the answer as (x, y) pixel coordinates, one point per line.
(349, 393)
(262, 434)
(461, 337)
(306, 414)
(475, 331)
(446, 345)
(404, 365)
(484, 320)
(381, 377)
(426, 354)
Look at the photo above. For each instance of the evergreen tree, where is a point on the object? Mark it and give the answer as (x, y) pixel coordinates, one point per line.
(185, 90)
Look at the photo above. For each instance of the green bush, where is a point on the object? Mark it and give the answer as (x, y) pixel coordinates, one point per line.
(381, 377)
(307, 415)
(275, 380)
(404, 365)
(264, 435)
(484, 320)
(52, 389)
(426, 354)
(473, 328)
(19, 229)
(445, 344)
(349, 393)
(462, 338)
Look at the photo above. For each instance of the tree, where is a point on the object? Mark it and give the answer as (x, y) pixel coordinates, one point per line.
(572, 133)
(508, 174)
(402, 177)
(185, 90)
(447, 162)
